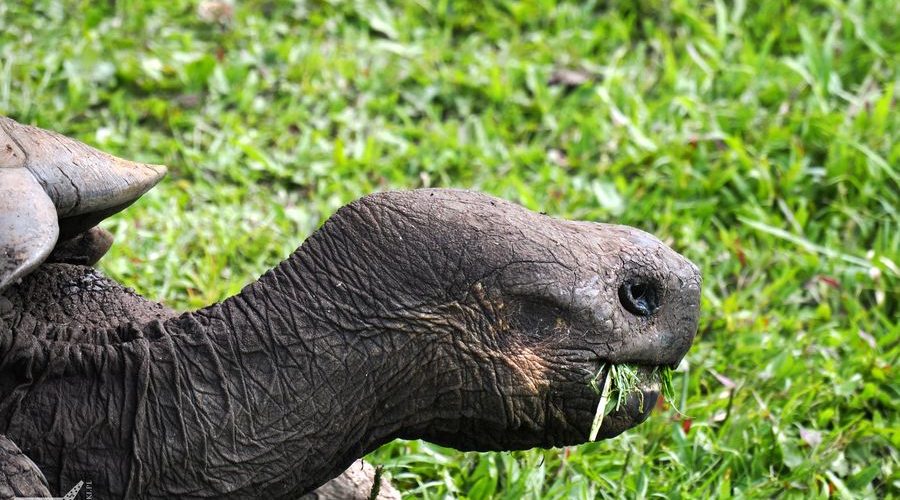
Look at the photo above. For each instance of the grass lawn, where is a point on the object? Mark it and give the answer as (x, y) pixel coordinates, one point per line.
(758, 138)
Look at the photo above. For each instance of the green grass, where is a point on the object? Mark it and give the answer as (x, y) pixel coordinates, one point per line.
(621, 381)
(760, 139)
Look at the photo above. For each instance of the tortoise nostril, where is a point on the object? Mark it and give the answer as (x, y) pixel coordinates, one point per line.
(639, 298)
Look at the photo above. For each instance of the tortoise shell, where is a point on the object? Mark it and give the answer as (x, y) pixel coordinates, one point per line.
(54, 189)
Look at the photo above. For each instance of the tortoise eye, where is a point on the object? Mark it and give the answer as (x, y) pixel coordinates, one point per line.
(640, 298)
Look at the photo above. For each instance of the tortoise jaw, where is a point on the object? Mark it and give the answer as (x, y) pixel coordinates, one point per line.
(634, 411)
(617, 412)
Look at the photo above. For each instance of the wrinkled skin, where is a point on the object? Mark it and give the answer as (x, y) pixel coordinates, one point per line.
(443, 315)
(67, 289)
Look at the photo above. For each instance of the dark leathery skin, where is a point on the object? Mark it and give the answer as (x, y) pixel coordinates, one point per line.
(437, 314)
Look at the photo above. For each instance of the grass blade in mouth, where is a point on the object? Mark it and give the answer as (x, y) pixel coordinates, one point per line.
(601, 406)
(623, 380)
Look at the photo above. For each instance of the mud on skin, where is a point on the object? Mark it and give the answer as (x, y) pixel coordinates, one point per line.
(437, 314)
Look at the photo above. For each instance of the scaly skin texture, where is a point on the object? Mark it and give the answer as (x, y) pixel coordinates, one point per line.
(443, 315)
(60, 296)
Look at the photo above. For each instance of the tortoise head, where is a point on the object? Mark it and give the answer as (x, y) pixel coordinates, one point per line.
(515, 311)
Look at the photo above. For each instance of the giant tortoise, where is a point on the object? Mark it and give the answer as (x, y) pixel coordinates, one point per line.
(435, 314)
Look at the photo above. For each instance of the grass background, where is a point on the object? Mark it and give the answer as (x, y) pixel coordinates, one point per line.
(757, 138)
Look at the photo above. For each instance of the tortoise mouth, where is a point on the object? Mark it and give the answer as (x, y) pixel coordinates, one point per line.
(625, 407)
(634, 411)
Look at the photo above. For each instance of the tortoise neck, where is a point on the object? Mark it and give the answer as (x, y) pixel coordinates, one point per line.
(316, 388)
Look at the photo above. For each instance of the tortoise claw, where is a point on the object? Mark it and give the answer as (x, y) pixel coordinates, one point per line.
(84, 249)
